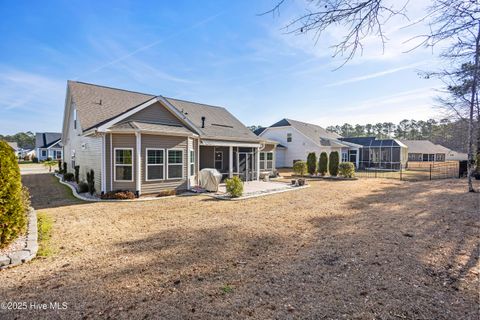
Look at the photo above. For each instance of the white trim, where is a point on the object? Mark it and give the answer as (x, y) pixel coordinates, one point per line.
(105, 126)
(103, 173)
(190, 162)
(160, 133)
(154, 164)
(230, 162)
(51, 146)
(115, 164)
(258, 164)
(111, 163)
(176, 164)
(138, 155)
(178, 114)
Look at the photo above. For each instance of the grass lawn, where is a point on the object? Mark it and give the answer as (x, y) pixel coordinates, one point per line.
(364, 249)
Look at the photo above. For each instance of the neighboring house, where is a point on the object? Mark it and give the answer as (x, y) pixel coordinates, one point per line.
(389, 154)
(456, 156)
(297, 139)
(15, 147)
(148, 144)
(48, 145)
(424, 150)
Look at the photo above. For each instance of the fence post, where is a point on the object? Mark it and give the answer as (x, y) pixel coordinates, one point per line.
(430, 171)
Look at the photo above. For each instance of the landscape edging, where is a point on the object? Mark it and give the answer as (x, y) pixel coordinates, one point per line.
(29, 250)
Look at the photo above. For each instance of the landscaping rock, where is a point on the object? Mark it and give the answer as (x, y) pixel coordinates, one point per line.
(4, 261)
(19, 257)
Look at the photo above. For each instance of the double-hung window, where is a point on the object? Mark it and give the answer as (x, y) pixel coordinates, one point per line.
(175, 164)
(44, 153)
(192, 162)
(289, 137)
(266, 160)
(155, 164)
(262, 160)
(344, 156)
(269, 161)
(123, 164)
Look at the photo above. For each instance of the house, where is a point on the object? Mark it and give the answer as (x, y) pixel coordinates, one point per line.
(297, 139)
(150, 143)
(48, 145)
(424, 150)
(14, 146)
(388, 154)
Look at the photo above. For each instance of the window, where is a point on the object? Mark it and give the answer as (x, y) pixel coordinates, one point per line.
(155, 164)
(344, 156)
(175, 164)
(219, 160)
(289, 137)
(440, 157)
(57, 154)
(123, 164)
(44, 153)
(192, 162)
(74, 118)
(266, 160)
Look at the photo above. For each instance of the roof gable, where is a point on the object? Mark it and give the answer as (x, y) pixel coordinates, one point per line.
(46, 139)
(424, 146)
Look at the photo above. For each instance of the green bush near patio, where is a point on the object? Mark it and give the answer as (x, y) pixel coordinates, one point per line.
(234, 187)
(346, 169)
(300, 168)
(14, 201)
(312, 163)
(323, 164)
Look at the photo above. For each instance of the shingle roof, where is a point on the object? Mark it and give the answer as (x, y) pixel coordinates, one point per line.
(47, 139)
(373, 142)
(97, 104)
(312, 131)
(259, 131)
(154, 127)
(424, 146)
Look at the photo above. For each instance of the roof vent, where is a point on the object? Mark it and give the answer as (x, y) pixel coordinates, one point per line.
(203, 122)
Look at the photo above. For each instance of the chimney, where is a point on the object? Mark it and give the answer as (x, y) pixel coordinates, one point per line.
(203, 122)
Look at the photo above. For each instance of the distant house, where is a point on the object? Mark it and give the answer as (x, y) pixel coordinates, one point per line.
(297, 139)
(14, 146)
(150, 143)
(390, 154)
(424, 150)
(48, 145)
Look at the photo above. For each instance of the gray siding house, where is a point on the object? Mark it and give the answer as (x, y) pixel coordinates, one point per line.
(150, 143)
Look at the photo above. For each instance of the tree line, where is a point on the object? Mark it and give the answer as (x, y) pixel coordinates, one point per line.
(448, 133)
(25, 140)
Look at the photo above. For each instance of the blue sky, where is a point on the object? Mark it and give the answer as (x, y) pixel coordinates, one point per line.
(215, 52)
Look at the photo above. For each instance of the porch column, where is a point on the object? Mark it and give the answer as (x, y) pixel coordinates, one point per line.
(357, 159)
(258, 164)
(103, 173)
(230, 162)
(138, 163)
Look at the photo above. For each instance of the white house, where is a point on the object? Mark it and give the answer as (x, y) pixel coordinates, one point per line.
(297, 139)
(48, 145)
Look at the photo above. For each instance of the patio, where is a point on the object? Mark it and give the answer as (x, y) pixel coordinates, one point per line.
(253, 189)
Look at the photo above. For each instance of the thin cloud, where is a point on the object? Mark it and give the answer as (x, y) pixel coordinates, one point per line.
(153, 44)
(374, 75)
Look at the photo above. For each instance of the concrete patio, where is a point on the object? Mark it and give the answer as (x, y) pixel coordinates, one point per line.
(257, 188)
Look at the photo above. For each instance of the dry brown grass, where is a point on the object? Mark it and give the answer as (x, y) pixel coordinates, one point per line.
(360, 249)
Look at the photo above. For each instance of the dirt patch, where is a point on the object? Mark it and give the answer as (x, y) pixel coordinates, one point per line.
(365, 249)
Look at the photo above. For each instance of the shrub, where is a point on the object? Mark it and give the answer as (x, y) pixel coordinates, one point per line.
(300, 168)
(34, 159)
(13, 200)
(82, 187)
(60, 170)
(333, 163)
(91, 181)
(312, 163)
(234, 187)
(65, 167)
(346, 169)
(49, 164)
(77, 173)
(68, 176)
(323, 163)
(118, 195)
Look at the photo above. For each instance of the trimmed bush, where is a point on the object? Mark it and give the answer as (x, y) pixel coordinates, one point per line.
(300, 168)
(77, 173)
(333, 163)
(14, 200)
(346, 169)
(82, 187)
(60, 167)
(68, 177)
(323, 164)
(91, 181)
(118, 195)
(312, 163)
(234, 187)
(65, 167)
(34, 159)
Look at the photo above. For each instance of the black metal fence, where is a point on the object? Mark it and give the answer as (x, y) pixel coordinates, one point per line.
(415, 171)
